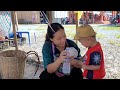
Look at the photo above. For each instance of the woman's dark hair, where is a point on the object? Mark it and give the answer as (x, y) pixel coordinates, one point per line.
(50, 32)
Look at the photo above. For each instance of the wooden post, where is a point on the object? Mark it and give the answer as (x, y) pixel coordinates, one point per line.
(87, 16)
(50, 16)
(16, 21)
(14, 29)
(77, 24)
(112, 13)
(102, 14)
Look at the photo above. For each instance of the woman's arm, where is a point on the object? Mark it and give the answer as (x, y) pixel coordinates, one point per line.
(51, 68)
(48, 58)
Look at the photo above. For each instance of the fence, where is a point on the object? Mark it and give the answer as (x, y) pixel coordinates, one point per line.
(5, 23)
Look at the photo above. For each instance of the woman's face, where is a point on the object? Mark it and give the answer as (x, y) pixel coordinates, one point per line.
(59, 38)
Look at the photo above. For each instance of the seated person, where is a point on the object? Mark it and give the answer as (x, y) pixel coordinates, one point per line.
(54, 54)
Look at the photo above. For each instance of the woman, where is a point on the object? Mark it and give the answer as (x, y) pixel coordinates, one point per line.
(54, 54)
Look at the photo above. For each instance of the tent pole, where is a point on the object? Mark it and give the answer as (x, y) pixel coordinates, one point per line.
(77, 24)
(14, 29)
(49, 13)
(16, 21)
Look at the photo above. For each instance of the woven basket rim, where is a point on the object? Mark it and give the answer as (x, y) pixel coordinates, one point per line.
(10, 51)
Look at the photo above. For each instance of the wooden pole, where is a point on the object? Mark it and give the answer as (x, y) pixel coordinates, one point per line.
(50, 16)
(77, 24)
(16, 19)
(14, 29)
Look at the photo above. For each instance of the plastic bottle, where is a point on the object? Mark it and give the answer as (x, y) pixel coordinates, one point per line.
(66, 65)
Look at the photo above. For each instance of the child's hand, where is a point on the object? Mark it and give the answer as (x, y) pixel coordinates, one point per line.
(83, 66)
(75, 63)
(80, 63)
(72, 61)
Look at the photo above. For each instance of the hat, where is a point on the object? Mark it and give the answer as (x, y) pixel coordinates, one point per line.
(84, 31)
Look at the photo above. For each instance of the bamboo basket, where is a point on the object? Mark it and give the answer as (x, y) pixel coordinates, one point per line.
(12, 64)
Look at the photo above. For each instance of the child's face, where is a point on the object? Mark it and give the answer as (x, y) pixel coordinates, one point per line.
(85, 42)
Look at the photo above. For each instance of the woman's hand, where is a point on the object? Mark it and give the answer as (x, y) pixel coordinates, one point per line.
(51, 68)
(62, 56)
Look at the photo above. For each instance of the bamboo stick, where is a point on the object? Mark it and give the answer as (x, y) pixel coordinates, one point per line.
(14, 29)
(16, 21)
(77, 24)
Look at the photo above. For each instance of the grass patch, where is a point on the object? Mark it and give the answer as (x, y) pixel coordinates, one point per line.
(109, 27)
(69, 27)
(41, 27)
(66, 27)
(70, 34)
(100, 35)
(117, 35)
(111, 42)
(119, 44)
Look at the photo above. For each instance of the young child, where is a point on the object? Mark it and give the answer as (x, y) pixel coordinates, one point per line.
(93, 60)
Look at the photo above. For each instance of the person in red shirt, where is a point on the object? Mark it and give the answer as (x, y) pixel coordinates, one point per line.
(93, 61)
